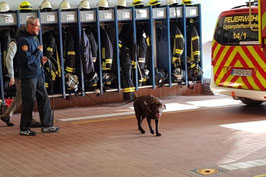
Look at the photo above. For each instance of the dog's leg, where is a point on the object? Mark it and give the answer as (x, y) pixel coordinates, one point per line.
(157, 127)
(140, 118)
(149, 123)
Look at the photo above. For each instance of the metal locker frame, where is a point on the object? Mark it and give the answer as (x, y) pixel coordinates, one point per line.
(194, 11)
(129, 18)
(149, 20)
(152, 46)
(161, 14)
(84, 17)
(136, 16)
(79, 44)
(43, 16)
(16, 24)
(135, 36)
(1, 79)
(117, 48)
(101, 17)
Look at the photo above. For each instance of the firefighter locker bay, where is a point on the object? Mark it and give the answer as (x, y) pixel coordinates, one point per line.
(111, 49)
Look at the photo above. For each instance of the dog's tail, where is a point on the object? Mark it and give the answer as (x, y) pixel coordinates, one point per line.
(129, 101)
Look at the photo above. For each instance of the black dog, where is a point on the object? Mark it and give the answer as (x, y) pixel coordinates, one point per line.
(150, 107)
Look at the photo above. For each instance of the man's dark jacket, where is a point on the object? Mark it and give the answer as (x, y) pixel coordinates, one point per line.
(29, 56)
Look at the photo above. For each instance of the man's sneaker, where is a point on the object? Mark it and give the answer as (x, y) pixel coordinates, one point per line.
(27, 133)
(35, 123)
(50, 129)
(7, 121)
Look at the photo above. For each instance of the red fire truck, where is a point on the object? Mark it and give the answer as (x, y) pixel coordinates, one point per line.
(239, 53)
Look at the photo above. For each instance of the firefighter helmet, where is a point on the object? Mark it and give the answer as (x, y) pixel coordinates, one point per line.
(46, 5)
(4, 7)
(65, 5)
(72, 81)
(154, 3)
(160, 77)
(138, 3)
(93, 80)
(84, 4)
(172, 2)
(191, 20)
(25, 6)
(187, 2)
(145, 73)
(103, 3)
(195, 73)
(121, 3)
(178, 75)
(108, 78)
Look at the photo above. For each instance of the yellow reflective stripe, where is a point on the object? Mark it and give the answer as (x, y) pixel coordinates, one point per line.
(69, 69)
(104, 66)
(53, 75)
(178, 51)
(143, 80)
(263, 24)
(58, 65)
(120, 45)
(196, 52)
(148, 41)
(133, 63)
(49, 49)
(194, 38)
(71, 53)
(108, 83)
(176, 59)
(103, 53)
(193, 65)
(178, 36)
(94, 85)
(108, 61)
(129, 89)
(105, 69)
(141, 60)
(46, 85)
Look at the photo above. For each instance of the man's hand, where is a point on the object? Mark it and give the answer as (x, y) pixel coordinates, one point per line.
(11, 82)
(40, 48)
(44, 59)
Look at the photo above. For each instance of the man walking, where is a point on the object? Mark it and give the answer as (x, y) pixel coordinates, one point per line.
(12, 69)
(31, 73)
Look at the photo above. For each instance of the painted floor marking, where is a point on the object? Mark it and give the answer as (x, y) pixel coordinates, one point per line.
(264, 175)
(96, 116)
(170, 108)
(243, 165)
(101, 120)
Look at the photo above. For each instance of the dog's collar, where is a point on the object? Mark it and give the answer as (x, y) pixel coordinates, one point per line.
(145, 103)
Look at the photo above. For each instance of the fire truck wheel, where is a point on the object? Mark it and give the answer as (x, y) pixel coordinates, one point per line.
(250, 102)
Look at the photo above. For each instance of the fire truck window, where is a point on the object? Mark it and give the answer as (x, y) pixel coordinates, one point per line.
(237, 29)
